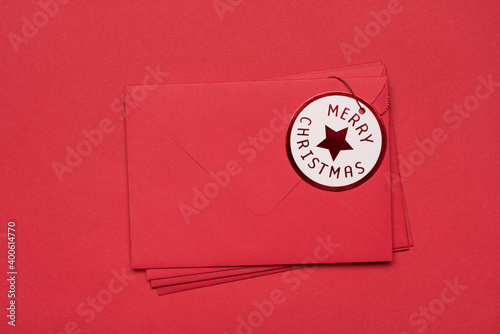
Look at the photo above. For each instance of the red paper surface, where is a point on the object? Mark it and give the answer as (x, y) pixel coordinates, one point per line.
(68, 74)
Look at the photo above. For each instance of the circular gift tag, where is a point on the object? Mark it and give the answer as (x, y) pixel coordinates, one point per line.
(333, 144)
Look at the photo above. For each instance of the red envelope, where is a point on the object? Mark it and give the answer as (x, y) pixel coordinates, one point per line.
(253, 207)
(164, 290)
(152, 274)
(401, 231)
(236, 273)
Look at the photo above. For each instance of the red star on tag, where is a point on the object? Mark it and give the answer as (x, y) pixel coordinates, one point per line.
(335, 142)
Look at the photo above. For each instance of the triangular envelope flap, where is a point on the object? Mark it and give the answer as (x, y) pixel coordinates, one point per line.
(237, 131)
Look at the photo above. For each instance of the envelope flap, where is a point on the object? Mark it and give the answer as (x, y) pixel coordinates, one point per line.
(236, 131)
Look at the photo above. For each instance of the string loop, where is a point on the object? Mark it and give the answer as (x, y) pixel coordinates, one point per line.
(361, 109)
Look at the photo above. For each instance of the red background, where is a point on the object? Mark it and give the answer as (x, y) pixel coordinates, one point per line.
(71, 235)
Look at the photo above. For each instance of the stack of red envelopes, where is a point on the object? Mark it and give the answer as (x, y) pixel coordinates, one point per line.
(214, 193)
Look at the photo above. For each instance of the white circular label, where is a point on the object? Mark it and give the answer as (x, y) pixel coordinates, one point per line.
(333, 144)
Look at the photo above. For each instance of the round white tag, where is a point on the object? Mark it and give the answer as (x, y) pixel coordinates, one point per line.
(333, 144)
